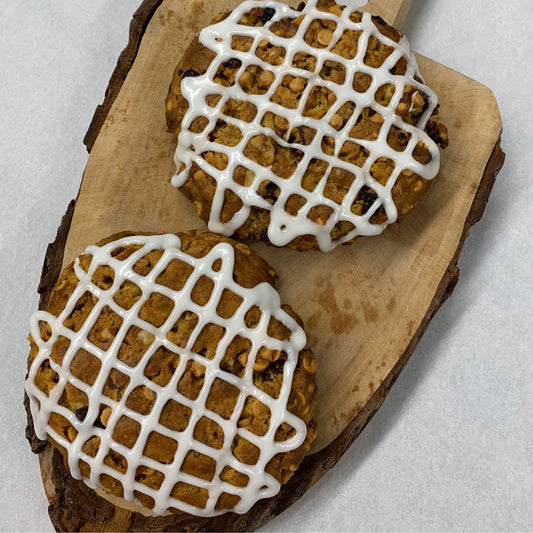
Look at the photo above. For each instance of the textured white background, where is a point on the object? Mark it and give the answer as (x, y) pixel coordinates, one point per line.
(451, 448)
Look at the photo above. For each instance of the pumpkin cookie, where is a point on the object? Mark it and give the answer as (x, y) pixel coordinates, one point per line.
(303, 128)
(167, 372)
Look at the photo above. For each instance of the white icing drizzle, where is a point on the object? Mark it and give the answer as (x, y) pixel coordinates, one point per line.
(261, 484)
(284, 227)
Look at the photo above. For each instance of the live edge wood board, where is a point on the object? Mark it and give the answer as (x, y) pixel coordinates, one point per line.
(365, 306)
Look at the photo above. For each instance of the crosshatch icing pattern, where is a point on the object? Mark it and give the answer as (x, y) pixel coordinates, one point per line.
(298, 87)
(216, 269)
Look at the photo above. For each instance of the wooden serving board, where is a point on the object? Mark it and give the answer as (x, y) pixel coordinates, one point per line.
(365, 306)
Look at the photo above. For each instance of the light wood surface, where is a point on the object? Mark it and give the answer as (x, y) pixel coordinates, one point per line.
(393, 11)
(365, 306)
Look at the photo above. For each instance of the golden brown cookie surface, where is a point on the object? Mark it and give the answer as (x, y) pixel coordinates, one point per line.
(164, 371)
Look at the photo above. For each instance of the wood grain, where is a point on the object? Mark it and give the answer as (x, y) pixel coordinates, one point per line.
(393, 11)
(366, 306)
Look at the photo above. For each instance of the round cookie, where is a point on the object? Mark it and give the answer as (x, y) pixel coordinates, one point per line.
(302, 129)
(166, 371)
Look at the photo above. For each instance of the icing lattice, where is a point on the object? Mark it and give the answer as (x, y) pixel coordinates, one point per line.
(274, 84)
(217, 266)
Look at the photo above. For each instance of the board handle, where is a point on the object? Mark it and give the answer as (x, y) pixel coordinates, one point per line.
(392, 11)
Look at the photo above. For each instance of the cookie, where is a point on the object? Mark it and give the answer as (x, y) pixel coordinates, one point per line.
(167, 372)
(303, 128)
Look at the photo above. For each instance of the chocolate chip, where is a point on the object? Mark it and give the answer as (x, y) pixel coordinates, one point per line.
(301, 6)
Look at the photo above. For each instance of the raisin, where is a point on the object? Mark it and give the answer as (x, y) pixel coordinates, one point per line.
(367, 195)
(234, 63)
(81, 413)
(190, 73)
(267, 14)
